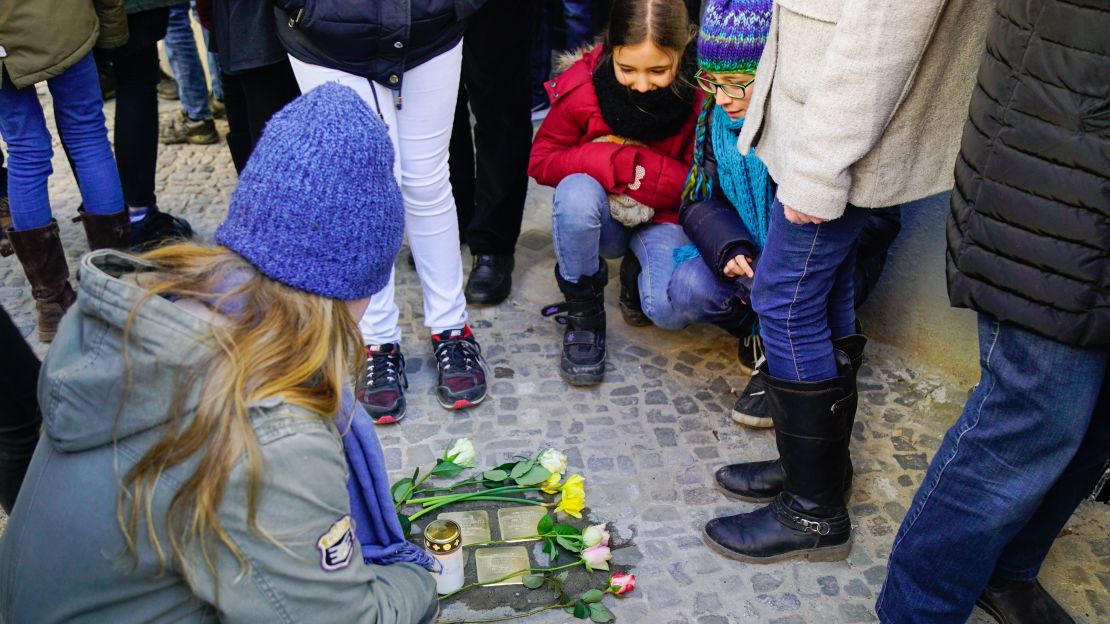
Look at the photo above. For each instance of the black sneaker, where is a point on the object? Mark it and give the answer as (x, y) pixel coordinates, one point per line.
(751, 408)
(632, 310)
(382, 388)
(462, 371)
(156, 227)
(219, 111)
(167, 87)
(181, 129)
(749, 352)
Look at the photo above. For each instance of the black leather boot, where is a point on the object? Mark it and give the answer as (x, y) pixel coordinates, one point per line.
(1021, 602)
(583, 358)
(490, 280)
(761, 481)
(111, 231)
(632, 310)
(808, 519)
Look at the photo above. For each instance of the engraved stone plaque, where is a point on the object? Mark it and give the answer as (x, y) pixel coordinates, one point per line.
(519, 523)
(496, 563)
(474, 524)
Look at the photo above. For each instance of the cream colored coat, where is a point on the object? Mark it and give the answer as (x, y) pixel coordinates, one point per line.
(864, 101)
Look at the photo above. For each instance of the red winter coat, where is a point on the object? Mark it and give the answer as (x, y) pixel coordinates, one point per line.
(563, 146)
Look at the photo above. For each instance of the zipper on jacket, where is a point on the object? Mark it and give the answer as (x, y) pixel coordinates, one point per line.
(296, 19)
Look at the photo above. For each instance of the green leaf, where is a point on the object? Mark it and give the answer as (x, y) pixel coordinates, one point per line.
(401, 490)
(545, 525)
(447, 469)
(594, 595)
(581, 610)
(600, 613)
(550, 549)
(495, 475)
(563, 576)
(569, 544)
(566, 529)
(406, 525)
(522, 468)
(533, 581)
(535, 476)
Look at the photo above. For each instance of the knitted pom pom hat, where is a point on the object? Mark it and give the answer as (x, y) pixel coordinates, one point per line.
(732, 35)
(317, 207)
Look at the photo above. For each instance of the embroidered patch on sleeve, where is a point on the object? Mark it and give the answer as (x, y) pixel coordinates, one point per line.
(337, 545)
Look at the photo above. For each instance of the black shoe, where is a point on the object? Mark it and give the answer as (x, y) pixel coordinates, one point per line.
(808, 519)
(167, 87)
(382, 387)
(157, 227)
(491, 279)
(181, 129)
(461, 380)
(749, 352)
(1021, 602)
(631, 308)
(583, 356)
(751, 406)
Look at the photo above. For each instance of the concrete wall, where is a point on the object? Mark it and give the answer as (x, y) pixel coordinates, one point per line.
(909, 309)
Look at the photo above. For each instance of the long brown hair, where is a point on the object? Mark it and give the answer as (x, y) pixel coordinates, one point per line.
(280, 342)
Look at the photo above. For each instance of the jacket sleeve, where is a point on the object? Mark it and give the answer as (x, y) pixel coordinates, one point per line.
(713, 224)
(855, 94)
(560, 149)
(315, 573)
(113, 23)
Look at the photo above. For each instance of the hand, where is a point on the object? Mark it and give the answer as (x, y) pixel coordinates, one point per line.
(800, 218)
(740, 265)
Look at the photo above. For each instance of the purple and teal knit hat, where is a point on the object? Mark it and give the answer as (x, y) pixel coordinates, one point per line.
(732, 36)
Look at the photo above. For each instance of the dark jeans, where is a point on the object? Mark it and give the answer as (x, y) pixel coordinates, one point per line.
(136, 124)
(19, 409)
(251, 97)
(803, 292)
(1033, 440)
(490, 197)
(582, 20)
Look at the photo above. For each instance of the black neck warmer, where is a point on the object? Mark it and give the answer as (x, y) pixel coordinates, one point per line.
(650, 116)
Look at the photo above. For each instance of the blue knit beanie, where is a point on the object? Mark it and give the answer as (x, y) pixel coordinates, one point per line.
(317, 207)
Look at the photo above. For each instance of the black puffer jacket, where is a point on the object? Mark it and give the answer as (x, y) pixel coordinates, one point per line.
(1029, 229)
(376, 39)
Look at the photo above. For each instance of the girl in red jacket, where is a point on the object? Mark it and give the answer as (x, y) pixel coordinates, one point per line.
(617, 146)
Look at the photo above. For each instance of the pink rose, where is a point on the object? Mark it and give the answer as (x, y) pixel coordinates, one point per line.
(595, 534)
(621, 583)
(597, 557)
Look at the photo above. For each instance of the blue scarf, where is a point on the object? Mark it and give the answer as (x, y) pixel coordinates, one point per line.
(376, 525)
(744, 180)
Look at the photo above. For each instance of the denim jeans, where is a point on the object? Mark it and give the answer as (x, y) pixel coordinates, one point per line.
(579, 17)
(1033, 440)
(672, 297)
(803, 292)
(78, 110)
(181, 52)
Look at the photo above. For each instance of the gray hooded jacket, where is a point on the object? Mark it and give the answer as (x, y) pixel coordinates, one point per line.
(61, 558)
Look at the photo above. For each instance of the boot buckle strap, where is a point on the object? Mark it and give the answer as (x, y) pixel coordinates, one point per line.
(811, 526)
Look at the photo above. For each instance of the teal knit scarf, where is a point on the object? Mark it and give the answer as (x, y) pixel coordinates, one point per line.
(744, 179)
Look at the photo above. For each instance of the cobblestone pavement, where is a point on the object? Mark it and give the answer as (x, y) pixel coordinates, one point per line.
(648, 439)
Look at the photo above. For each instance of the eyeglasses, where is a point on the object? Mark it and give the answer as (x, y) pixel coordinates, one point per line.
(734, 90)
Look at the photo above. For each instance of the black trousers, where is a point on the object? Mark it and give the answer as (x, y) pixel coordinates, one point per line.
(489, 169)
(136, 125)
(19, 409)
(251, 97)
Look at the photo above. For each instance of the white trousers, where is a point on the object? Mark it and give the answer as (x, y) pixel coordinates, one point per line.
(421, 134)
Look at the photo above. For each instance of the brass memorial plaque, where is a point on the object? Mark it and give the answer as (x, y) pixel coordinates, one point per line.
(519, 523)
(474, 524)
(497, 563)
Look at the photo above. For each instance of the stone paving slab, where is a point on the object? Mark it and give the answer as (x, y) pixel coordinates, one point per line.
(647, 440)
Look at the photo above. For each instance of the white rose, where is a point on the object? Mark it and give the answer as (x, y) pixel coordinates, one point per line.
(463, 453)
(554, 461)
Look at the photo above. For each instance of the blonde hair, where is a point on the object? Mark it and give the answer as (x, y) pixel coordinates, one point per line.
(282, 342)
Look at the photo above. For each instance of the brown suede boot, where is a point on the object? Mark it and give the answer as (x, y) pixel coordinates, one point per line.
(44, 262)
(111, 231)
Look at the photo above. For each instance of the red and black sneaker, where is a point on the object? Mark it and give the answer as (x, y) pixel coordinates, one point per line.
(382, 390)
(462, 371)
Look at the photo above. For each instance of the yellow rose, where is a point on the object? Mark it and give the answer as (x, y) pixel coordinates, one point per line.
(551, 486)
(573, 500)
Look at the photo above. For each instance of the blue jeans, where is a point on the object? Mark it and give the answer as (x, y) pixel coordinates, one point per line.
(803, 293)
(1033, 440)
(181, 52)
(78, 110)
(672, 297)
